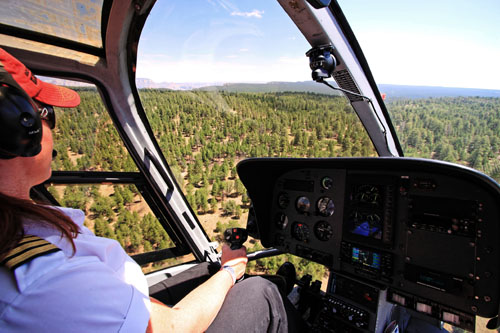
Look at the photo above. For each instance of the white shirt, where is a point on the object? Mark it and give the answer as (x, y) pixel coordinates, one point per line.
(98, 289)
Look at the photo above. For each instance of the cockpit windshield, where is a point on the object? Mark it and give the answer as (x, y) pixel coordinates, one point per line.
(433, 62)
(223, 81)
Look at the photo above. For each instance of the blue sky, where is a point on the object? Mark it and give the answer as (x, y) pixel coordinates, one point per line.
(437, 43)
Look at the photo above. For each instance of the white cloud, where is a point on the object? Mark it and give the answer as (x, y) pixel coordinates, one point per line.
(254, 13)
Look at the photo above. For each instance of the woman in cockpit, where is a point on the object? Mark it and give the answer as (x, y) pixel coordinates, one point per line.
(56, 275)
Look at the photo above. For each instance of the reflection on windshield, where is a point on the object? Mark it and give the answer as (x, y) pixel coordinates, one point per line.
(205, 134)
(234, 84)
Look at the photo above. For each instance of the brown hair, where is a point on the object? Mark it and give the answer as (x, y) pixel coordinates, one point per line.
(13, 211)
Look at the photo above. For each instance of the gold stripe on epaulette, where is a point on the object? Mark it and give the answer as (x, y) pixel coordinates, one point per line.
(26, 245)
(27, 249)
(28, 238)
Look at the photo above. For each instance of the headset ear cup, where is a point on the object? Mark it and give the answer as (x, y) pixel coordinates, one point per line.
(20, 124)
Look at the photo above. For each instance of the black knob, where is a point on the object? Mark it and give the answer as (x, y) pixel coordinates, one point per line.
(235, 237)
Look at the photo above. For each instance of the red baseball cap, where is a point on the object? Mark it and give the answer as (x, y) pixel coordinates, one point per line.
(44, 92)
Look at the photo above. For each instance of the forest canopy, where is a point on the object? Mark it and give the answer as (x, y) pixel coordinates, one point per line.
(459, 130)
(204, 134)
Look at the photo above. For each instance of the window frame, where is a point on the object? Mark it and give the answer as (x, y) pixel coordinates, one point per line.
(41, 194)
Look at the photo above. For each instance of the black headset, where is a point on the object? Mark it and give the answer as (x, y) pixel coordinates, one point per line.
(20, 122)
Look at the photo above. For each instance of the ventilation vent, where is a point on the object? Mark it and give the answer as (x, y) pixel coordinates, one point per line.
(345, 81)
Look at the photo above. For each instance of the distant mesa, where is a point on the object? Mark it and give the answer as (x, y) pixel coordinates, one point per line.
(150, 84)
(401, 91)
(304, 86)
(62, 82)
(390, 90)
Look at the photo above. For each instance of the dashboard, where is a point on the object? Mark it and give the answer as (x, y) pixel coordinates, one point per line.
(415, 233)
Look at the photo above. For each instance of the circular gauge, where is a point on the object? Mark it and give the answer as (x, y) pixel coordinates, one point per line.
(327, 183)
(323, 230)
(300, 232)
(326, 207)
(303, 204)
(368, 194)
(283, 200)
(281, 221)
(373, 218)
(355, 216)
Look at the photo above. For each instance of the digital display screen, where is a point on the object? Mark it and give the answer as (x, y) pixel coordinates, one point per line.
(451, 318)
(433, 279)
(443, 207)
(365, 258)
(366, 211)
(425, 308)
(430, 279)
(367, 228)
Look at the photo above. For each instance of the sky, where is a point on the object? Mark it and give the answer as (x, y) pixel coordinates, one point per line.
(432, 43)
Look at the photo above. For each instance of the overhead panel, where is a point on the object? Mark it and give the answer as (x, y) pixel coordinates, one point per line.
(63, 28)
(77, 21)
(20, 43)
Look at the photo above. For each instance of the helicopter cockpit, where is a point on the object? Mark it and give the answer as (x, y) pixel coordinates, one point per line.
(317, 177)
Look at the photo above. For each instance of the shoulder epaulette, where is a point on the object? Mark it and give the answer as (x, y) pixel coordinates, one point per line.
(29, 248)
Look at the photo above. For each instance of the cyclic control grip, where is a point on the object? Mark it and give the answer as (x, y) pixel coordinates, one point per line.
(235, 237)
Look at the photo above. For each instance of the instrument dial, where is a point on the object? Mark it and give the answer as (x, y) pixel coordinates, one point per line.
(283, 200)
(327, 183)
(281, 221)
(300, 232)
(303, 204)
(368, 194)
(373, 218)
(326, 207)
(323, 230)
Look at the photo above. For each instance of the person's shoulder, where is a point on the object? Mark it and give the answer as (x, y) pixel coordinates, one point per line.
(30, 268)
(37, 227)
(16, 279)
(77, 215)
(79, 292)
(45, 253)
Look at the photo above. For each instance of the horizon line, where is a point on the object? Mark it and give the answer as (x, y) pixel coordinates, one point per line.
(219, 83)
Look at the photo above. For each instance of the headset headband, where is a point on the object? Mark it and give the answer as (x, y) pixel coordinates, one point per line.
(21, 126)
(7, 79)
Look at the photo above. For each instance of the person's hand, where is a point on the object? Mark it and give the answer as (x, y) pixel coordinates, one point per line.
(237, 259)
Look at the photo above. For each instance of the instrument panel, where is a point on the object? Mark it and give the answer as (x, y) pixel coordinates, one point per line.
(425, 231)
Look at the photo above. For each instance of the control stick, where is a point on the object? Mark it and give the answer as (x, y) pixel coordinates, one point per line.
(235, 237)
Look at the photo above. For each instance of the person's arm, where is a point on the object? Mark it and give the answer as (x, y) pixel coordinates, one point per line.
(196, 311)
